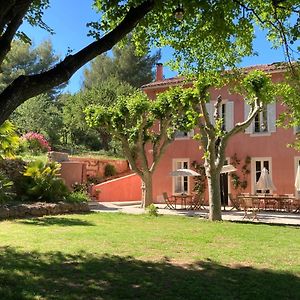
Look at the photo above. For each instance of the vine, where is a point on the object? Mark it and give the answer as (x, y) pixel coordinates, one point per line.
(240, 182)
(200, 181)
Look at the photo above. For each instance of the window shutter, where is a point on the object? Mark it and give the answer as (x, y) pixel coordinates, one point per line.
(191, 133)
(210, 110)
(271, 110)
(229, 115)
(247, 108)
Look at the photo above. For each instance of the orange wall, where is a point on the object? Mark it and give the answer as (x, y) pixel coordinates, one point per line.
(127, 188)
(73, 172)
(273, 146)
(95, 167)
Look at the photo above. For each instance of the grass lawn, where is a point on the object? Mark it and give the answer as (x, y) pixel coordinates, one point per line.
(116, 256)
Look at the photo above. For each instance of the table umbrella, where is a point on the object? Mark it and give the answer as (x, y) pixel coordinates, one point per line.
(228, 169)
(265, 181)
(184, 172)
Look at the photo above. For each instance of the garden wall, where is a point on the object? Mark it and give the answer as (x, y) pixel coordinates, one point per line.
(122, 189)
(95, 167)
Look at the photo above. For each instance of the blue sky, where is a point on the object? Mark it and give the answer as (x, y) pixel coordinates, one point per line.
(68, 19)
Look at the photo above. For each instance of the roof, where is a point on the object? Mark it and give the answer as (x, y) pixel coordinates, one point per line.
(269, 68)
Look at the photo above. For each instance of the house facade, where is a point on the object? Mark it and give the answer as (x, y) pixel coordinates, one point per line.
(263, 144)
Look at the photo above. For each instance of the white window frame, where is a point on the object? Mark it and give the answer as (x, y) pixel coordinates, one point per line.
(174, 167)
(253, 171)
(271, 121)
(296, 162)
(228, 116)
(263, 121)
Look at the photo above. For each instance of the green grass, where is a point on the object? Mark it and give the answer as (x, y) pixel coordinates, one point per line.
(116, 256)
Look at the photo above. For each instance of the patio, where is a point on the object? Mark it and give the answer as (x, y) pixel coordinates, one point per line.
(266, 217)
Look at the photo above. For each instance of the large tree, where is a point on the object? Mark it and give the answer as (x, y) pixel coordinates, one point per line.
(217, 27)
(144, 128)
(76, 131)
(257, 90)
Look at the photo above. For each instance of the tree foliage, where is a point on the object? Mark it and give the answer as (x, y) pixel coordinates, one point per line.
(75, 128)
(125, 65)
(212, 35)
(131, 121)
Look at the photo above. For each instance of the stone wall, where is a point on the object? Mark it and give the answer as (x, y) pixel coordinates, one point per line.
(95, 167)
(40, 209)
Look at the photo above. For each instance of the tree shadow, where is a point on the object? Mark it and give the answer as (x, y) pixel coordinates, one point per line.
(50, 221)
(86, 276)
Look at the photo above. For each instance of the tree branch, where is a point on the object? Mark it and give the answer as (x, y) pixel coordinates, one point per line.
(19, 11)
(25, 87)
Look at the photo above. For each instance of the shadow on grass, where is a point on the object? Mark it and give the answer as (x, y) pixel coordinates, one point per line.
(85, 276)
(49, 221)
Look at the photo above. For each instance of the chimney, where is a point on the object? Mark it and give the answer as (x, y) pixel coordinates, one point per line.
(159, 72)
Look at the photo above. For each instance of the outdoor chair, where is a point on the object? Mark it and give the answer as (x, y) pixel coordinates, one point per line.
(170, 201)
(197, 202)
(251, 207)
(235, 202)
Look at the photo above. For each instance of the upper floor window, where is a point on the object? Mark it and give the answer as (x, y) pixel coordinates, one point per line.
(180, 183)
(261, 121)
(226, 113)
(264, 122)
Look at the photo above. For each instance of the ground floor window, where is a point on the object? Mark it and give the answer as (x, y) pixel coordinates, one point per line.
(297, 164)
(257, 165)
(180, 183)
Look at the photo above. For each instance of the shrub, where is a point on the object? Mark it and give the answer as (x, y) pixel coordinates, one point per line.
(43, 182)
(35, 142)
(5, 188)
(14, 169)
(152, 210)
(9, 140)
(109, 170)
(80, 187)
(77, 197)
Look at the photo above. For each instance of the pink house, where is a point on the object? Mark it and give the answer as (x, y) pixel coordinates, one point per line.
(263, 144)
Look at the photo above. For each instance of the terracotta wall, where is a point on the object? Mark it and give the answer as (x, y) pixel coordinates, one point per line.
(95, 167)
(73, 172)
(127, 188)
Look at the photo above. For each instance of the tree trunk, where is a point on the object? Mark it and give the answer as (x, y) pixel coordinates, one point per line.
(147, 193)
(214, 194)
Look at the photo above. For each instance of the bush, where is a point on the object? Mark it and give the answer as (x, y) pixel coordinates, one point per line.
(9, 140)
(109, 170)
(152, 210)
(14, 169)
(5, 188)
(43, 182)
(35, 142)
(78, 197)
(80, 187)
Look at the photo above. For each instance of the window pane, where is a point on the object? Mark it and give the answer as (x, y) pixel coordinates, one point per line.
(266, 165)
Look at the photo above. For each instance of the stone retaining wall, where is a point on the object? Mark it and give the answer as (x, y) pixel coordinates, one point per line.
(95, 167)
(40, 209)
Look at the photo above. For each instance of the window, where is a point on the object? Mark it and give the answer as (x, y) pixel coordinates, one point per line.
(223, 115)
(180, 183)
(257, 165)
(226, 113)
(261, 121)
(184, 134)
(264, 122)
